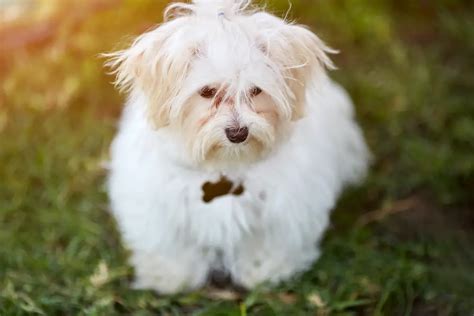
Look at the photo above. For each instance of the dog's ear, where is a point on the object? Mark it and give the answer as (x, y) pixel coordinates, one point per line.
(302, 56)
(309, 60)
(156, 63)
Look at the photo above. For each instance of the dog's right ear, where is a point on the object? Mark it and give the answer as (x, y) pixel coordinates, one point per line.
(156, 64)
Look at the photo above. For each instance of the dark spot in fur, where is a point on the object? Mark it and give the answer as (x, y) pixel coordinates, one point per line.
(224, 186)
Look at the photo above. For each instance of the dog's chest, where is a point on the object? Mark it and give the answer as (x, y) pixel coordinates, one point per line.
(220, 209)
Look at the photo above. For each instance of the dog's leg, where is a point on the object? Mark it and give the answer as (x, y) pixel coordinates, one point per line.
(166, 273)
(259, 260)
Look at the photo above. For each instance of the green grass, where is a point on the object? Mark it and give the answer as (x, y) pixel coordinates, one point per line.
(401, 244)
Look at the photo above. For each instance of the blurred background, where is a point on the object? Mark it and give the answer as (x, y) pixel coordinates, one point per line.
(401, 244)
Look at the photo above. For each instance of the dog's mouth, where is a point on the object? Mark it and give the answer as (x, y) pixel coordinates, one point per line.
(247, 151)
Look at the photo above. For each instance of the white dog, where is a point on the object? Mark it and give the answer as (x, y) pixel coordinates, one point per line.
(222, 90)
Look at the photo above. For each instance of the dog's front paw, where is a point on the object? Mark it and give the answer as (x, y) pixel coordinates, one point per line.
(164, 284)
(168, 275)
(253, 270)
(253, 273)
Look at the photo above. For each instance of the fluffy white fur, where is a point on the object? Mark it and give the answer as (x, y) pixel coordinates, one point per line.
(303, 146)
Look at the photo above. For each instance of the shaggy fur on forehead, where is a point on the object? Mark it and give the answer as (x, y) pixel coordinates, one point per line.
(227, 32)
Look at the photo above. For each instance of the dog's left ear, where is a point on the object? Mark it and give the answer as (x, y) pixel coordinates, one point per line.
(302, 57)
(309, 60)
(156, 64)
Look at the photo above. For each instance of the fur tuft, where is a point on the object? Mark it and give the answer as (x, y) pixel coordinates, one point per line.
(208, 9)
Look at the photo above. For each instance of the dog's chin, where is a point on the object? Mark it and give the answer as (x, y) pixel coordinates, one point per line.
(224, 155)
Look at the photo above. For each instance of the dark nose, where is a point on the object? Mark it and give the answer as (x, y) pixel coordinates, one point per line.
(237, 134)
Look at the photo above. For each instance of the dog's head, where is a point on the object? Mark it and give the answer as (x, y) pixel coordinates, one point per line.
(227, 79)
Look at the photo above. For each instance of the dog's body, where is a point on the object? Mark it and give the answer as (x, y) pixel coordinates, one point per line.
(291, 167)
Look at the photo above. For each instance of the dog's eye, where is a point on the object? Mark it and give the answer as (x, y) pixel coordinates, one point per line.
(207, 92)
(255, 91)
